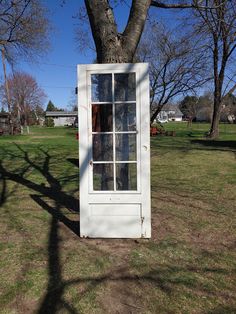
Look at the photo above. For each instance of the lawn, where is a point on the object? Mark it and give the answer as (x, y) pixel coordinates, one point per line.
(189, 265)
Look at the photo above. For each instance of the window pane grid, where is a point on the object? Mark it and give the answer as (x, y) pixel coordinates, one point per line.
(124, 148)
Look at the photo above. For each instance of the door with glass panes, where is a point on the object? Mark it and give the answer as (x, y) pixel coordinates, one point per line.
(114, 150)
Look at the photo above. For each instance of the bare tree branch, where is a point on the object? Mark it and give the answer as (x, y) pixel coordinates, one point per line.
(23, 28)
(195, 4)
(176, 66)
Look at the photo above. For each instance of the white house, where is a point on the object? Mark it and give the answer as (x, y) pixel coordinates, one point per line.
(63, 118)
(170, 113)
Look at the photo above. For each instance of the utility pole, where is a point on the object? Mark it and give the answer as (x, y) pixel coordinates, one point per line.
(7, 92)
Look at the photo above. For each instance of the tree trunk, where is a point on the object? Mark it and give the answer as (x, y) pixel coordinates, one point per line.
(214, 130)
(10, 121)
(111, 46)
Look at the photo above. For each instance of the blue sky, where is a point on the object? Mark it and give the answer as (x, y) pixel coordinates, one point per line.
(56, 72)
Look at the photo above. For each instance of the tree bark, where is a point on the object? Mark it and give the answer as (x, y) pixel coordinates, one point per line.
(7, 93)
(111, 46)
(214, 130)
(218, 83)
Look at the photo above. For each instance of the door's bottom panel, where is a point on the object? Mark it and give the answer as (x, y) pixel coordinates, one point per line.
(114, 221)
(115, 210)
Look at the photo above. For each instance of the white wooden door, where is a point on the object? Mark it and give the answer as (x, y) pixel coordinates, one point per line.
(114, 150)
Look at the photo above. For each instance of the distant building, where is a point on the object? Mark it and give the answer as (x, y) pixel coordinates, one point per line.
(170, 113)
(162, 116)
(63, 118)
(175, 114)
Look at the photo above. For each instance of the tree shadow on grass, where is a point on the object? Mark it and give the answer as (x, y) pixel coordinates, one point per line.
(217, 145)
(74, 161)
(165, 278)
(3, 189)
(55, 189)
(168, 278)
(54, 192)
(53, 300)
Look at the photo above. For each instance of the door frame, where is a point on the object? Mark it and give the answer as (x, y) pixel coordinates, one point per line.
(142, 194)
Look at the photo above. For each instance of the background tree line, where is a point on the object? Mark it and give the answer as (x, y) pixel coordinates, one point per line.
(200, 108)
(182, 60)
(25, 99)
(24, 29)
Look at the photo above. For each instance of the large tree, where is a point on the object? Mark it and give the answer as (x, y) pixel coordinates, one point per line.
(188, 107)
(23, 33)
(113, 46)
(217, 27)
(176, 66)
(25, 96)
(51, 106)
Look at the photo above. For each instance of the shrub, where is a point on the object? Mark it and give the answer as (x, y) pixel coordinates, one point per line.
(49, 122)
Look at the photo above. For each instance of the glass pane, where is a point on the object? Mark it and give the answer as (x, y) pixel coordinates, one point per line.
(126, 176)
(102, 118)
(103, 177)
(125, 147)
(101, 87)
(125, 87)
(125, 116)
(102, 147)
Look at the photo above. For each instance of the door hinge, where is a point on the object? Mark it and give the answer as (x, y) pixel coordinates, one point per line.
(142, 220)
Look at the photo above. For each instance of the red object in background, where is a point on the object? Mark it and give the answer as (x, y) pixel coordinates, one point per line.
(153, 131)
(77, 135)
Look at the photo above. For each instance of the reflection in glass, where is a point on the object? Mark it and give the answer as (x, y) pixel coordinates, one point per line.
(126, 177)
(126, 147)
(125, 87)
(102, 147)
(103, 177)
(102, 118)
(101, 87)
(125, 117)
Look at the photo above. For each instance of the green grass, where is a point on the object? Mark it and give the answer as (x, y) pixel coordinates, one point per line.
(189, 265)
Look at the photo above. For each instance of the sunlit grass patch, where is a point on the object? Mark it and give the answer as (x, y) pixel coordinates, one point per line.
(188, 266)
